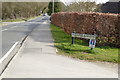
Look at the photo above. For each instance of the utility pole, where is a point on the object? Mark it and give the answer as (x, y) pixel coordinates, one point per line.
(53, 7)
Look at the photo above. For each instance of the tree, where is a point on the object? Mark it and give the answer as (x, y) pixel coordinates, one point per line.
(82, 7)
(19, 10)
(0, 11)
(57, 7)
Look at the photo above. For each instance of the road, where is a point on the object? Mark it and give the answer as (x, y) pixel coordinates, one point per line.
(17, 32)
(37, 58)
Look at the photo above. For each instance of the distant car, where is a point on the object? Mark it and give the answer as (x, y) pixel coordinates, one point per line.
(44, 15)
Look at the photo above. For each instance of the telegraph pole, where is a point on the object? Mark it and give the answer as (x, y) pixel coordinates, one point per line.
(53, 7)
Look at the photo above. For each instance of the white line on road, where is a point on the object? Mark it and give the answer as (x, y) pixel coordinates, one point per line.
(4, 29)
(8, 53)
(4, 61)
(14, 27)
(10, 28)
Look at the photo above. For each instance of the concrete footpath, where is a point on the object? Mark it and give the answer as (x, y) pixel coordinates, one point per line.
(37, 58)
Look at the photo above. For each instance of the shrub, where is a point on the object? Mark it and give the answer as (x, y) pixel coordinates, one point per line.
(106, 26)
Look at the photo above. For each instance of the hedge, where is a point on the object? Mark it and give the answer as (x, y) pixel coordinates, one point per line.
(105, 25)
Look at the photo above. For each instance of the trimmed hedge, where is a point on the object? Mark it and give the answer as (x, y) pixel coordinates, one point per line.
(106, 26)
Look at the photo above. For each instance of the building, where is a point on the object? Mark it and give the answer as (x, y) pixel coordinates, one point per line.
(111, 7)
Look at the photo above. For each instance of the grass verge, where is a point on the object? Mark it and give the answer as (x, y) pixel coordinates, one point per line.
(80, 49)
(12, 20)
(18, 20)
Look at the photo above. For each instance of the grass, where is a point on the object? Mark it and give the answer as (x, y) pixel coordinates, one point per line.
(80, 49)
(17, 20)
(12, 20)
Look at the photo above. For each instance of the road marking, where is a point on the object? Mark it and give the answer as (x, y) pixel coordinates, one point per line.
(14, 27)
(44, 22)
(9, 28)
(4, 29)
(8, 53)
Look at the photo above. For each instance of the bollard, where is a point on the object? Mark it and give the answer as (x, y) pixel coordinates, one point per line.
(73, 40)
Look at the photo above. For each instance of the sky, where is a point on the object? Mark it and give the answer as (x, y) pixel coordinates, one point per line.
(97, 1)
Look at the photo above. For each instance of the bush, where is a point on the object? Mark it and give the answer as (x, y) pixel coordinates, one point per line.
(106, 26)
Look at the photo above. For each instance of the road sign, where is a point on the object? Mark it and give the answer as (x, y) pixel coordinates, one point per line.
(86, 36)
(92, 38)
(92, 43)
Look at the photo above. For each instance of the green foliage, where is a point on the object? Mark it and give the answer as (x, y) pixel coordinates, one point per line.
(50, 8)
(57, 7)
(0, 11)
(80, 49)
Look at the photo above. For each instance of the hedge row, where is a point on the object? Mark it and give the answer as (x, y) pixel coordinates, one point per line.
(106, 26)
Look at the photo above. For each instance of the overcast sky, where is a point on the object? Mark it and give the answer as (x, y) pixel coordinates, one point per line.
(97, 1)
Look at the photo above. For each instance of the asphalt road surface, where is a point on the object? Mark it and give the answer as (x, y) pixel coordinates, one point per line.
(37, 58)
(17, 32)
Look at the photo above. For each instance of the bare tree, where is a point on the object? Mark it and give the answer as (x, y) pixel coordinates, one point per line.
(14, 10)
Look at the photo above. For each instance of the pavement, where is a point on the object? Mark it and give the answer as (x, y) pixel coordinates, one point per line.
(37, 58)
(13, 32)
